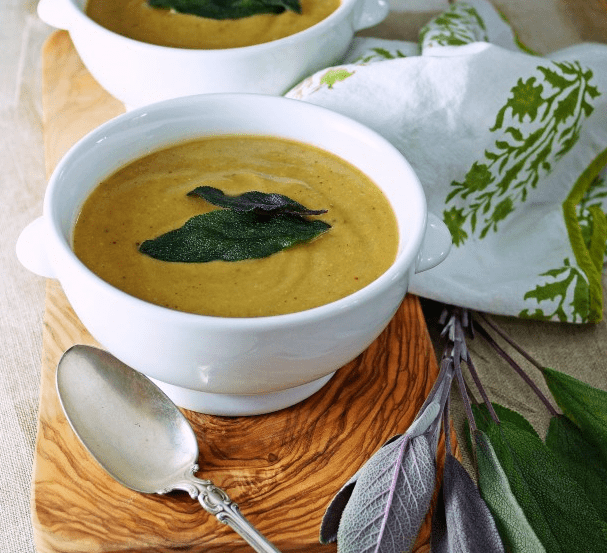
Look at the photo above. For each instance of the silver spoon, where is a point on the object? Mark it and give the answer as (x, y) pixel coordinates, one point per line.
(138, 435)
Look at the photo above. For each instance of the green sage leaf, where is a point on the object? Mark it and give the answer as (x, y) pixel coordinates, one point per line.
(227, 9)
(581, 459)
(260, 202)
(555, 505)
(514, 528)
(584, 405)
(230, 235)
(506, 414)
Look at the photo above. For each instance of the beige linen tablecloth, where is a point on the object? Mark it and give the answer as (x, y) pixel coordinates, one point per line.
(544, 25)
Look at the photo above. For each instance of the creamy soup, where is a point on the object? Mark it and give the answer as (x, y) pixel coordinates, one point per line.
(147, 198)
(136, 19)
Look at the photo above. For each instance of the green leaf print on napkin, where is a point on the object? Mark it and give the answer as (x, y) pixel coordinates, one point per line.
(379, 54)
(460, 24)
(564, 283)
(539, 123)
(566, 294)
(334, 76)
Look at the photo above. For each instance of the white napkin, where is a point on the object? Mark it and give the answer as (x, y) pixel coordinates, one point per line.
(511, 149)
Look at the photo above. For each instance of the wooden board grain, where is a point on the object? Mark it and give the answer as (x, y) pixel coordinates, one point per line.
(282, 468)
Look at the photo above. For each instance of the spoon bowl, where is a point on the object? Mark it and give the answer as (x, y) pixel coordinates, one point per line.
(138, 435)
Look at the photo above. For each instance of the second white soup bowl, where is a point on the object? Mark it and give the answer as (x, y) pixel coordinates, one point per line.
(138, 73)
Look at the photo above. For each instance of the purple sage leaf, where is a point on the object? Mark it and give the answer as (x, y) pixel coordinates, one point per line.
(462, 522)
(331, 520)
(382, 507)
(390, 499)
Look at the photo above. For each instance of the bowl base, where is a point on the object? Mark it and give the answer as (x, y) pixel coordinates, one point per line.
(234, 405)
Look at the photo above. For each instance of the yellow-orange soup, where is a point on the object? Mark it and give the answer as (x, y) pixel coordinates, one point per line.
(137, 20)
(148, 198)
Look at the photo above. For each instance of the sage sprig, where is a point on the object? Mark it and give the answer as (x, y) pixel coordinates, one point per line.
(510, 519)
(581, 459)
(532, 496)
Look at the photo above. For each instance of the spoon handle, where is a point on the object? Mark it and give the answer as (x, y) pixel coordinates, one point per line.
(217, 502)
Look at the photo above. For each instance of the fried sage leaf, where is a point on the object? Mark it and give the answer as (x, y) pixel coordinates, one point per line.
(260, 202)
(230, 235)
(227, 9)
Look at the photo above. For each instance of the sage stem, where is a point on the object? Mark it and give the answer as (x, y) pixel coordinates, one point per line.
(518, 369)
(510, 341)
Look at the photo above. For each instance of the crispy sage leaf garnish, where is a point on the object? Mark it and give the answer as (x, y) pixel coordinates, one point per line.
(554, 504)
(260, 202)
(462, 523)
(584, 405)
(227, 9)
(230, 235)
(581, 459)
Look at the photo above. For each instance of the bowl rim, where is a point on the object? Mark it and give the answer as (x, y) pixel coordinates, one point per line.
(403, 263)
(341, 12)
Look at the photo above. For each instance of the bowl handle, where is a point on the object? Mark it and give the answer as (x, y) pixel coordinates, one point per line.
(55, 13)
(372, 13)
(31, 249)
(435, 246)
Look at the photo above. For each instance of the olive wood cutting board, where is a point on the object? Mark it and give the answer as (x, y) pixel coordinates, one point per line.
(282, 468)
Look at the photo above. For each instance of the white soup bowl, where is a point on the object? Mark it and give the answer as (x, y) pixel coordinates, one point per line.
(217, 365)
(138, 73)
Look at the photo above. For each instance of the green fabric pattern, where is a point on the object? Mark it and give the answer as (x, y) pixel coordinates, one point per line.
(557, 104)
(569, 287)
(380, 54)
(590, 259)
(590, 209)
(334, 76)
(460, 24)
(586, 224)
